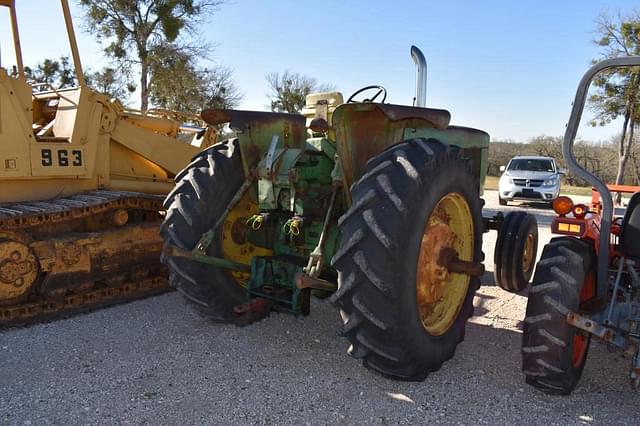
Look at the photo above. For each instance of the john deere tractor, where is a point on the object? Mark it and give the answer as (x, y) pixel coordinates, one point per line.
(375, 205)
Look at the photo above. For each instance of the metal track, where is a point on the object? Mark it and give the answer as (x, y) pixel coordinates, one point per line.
(22, 216)
(40, 220)
(42, 310)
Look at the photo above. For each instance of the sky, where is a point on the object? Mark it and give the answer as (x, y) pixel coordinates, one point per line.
(509, 67)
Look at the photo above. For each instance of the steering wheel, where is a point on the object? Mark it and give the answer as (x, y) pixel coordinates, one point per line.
(373, 98)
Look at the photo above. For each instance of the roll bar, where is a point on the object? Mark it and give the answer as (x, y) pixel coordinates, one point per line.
(16, 35)
(11, 4)
(593, 180)
(72, 42)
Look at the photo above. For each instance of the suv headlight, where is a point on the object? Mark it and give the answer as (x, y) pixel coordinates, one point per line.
(550, 182)
(506, 180)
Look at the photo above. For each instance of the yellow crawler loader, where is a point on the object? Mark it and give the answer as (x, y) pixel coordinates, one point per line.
(82, 181)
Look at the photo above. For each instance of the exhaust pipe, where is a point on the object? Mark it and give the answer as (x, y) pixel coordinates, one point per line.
(420, 99)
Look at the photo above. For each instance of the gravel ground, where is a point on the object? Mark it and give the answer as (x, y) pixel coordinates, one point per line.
(156, 362)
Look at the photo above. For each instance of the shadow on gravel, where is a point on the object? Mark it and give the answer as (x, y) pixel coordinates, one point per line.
(156, 362)
(488, 279)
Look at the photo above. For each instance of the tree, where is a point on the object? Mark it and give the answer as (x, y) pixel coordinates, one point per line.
(51, 73)
(617, 93)
(289, 90)
(548, 146)
(59, 74)
(110, 82)
(136, 31)
(179, 84)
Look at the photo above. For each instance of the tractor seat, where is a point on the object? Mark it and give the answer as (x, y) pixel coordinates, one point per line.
(630, 231)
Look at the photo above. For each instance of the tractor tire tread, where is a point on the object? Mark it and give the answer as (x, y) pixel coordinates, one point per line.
(510, 248)
(554, 293)
(203, 190)
(367, 294)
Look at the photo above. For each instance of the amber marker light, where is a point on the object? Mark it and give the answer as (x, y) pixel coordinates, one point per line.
(579, 211)
(562, 205)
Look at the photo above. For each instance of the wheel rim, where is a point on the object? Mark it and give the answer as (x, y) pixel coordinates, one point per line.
(580, 343)
(19, 269)
(440, 293)
(235, 245)
(527, 255)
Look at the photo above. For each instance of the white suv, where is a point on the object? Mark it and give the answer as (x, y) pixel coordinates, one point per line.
(529, 178)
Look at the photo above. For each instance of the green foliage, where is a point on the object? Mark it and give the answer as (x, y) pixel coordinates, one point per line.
(289, 90)
(59, 74)
(111, 83)
(180, 85)
(617, 92)
(599, 159)
(52, 74)
(134, 31)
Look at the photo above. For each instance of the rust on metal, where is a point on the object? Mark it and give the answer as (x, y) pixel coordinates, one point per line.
(364, 130)
(43, 214)
(239, 231)
(604, 333)
(439, 118)
(305, 281)
(19, 269)
(256, 129)
(220, 262)
(431, 274)
(220, 116)
(93, 262)
(119, 217)
(250, 312)
(319, 125)
(39, 310)
(448, 258)
(528, 257)
(440, 291)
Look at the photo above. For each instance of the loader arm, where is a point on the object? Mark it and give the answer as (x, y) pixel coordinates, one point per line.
(170, 155)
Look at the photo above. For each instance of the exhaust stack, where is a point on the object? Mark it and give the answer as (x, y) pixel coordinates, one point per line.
(421, 77)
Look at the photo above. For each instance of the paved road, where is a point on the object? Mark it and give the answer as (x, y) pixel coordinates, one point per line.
(155, 362)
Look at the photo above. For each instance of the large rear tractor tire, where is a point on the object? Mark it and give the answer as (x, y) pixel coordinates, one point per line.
(201, 195)
(515, 252)
(553, 352)
(404, 313)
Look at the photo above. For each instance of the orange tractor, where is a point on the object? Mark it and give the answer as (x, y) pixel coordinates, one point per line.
(587, 282)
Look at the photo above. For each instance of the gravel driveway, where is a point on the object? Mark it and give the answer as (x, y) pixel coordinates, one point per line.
(156, 362)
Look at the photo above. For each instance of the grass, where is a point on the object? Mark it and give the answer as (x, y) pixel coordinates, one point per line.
(491, 183)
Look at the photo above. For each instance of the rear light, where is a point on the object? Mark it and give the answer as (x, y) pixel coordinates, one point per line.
(569, 228)
(579, 211)
(562, 205)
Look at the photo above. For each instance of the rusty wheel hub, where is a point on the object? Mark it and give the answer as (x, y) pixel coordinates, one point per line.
(445, 263)
(18, 269)
(527, 255)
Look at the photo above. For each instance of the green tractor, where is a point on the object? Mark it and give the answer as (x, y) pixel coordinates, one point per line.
(375, 205)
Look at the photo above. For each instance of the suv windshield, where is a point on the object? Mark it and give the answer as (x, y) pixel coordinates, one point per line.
(531, 165)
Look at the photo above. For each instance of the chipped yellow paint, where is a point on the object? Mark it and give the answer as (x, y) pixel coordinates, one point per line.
(235, 246)
(440, 293)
